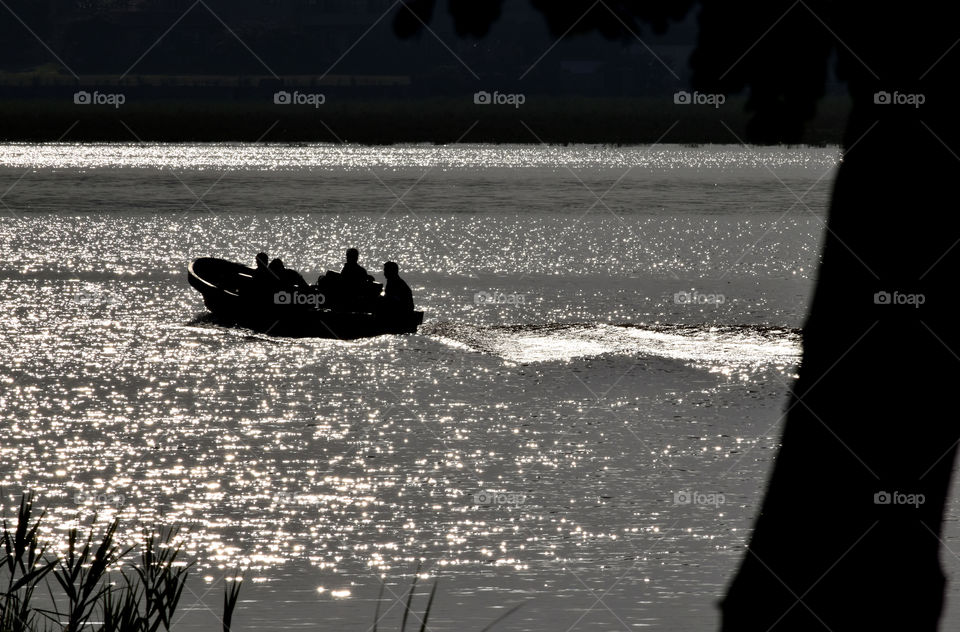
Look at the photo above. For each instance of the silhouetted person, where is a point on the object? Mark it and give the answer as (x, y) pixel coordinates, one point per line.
(352, 271)
(276, 269)
(397, 296)
(265, 283)
(261, 273)
(286, 277)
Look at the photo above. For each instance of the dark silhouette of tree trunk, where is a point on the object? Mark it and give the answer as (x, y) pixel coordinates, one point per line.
(871, 411)
(872, 416)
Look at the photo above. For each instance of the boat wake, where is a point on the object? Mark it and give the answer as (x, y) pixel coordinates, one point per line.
(716, 347)
(745, 345)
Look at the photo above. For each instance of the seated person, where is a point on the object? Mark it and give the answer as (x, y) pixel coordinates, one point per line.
(263, 278)
(263, 261)
(286, 277)
(397, 296)
(352, 271)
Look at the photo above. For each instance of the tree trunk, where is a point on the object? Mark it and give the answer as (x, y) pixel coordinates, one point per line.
(874, 408)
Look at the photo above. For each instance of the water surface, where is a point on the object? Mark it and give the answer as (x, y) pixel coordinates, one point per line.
(609, 332)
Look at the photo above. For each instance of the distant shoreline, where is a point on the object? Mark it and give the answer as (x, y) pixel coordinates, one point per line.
(603, 121)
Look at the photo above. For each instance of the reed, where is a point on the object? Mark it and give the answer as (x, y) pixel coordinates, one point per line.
(230, 595)
(90, 587)
(408, 610)
(25, 562)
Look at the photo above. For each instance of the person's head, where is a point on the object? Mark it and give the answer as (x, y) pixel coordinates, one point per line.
(353, 255)
(391, 270)
(262, 260)
(276, 264)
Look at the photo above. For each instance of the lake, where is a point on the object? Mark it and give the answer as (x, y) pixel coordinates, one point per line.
(584, 423)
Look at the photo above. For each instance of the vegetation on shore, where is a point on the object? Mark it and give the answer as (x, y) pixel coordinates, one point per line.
(86, 584)
(91, 586)
(383, 122)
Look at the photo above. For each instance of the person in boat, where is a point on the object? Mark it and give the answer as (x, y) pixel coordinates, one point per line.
(265, 281)
(261, 272)
(286, 277)
(352, 271)
(397, 296)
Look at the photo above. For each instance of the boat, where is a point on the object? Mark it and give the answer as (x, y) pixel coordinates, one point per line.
(322, 311)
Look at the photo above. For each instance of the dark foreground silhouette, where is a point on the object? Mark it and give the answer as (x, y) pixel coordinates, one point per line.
(849, 532)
